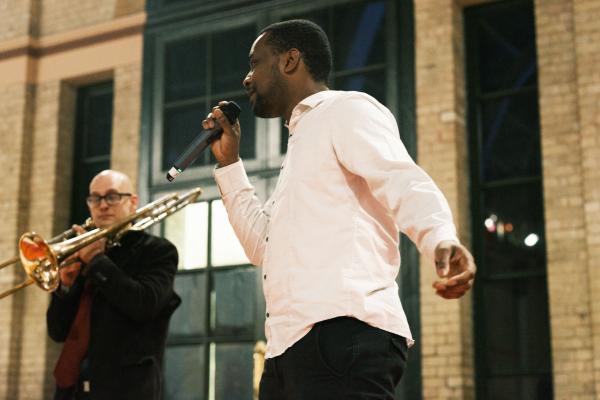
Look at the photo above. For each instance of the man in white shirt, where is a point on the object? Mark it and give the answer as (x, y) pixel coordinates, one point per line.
(327, 239)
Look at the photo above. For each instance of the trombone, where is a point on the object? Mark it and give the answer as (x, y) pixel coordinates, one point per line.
(42, 259)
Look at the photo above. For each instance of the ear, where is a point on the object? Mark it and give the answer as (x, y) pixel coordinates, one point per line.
(291, 60)
(134, 202)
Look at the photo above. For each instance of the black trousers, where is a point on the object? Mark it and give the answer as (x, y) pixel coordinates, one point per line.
(340, 358)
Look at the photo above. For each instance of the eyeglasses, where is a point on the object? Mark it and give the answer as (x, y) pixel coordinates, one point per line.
(112, 199)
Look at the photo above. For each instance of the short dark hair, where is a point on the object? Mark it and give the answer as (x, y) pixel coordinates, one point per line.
(308, 38)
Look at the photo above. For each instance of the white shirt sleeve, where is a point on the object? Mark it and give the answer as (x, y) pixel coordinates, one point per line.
(367, 143)
(246, 215)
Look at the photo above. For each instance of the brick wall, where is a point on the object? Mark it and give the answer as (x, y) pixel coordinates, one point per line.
(569, 83)
(65, 15)
(587, 45)
(15, 139)
(446, 325)
(126, 121)
(15, 18)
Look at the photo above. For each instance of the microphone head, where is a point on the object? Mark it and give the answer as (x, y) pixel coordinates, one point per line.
(231, 111)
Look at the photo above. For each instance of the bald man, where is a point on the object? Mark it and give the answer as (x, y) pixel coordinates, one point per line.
(113, 306)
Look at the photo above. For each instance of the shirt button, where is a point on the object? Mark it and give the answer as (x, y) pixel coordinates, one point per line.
(267, 239)
(265, 276)
(267, 315)
(282, 167)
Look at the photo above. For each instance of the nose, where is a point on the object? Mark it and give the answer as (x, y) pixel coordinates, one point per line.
(247, 80)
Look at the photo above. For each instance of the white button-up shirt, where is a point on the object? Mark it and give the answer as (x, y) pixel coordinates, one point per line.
(327, 238)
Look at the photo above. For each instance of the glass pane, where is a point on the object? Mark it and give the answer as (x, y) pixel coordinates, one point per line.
(248, 125)
(235, 301)
(510, 145)
(284, 137)
(185, 69)
(98, 114)
(230, 63)
(187, 229)
(516, 330)
(225, 247)
(190, 317)
(234, 365)
(359, 35)
(372, 83)
(184, 373)
(506, 48)
(526, 387)
(319, 17)
(513, 229)
(182, 125)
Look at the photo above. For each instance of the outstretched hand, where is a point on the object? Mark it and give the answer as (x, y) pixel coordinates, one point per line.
(456, 268)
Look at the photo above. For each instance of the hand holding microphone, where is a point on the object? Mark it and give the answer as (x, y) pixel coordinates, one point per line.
(221, 131)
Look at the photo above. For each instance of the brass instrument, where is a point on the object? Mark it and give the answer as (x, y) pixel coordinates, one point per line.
(42, 259)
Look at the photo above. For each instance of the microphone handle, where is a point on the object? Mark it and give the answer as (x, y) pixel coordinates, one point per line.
(195, 148)
(231, 110)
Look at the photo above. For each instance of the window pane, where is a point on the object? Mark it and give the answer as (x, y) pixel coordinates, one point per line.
(235, 301)
(98, 112)
(359, 35)
(319, 17)
(182, 125)
(510, 145)
(190, 316)
(248, 125)
(187, 229)
(234, 365)
(513, 229)
(184, 373)
(372, 83)
(230, 61)
(185, 69)
(506, 48)
(516, 330)
(225, 247)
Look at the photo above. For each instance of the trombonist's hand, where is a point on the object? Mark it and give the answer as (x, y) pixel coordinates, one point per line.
(227, 148)
(456, 268)
(71, 267)
(69, 270)
(87, 254)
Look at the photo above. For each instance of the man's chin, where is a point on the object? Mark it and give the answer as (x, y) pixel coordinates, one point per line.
(264, 113)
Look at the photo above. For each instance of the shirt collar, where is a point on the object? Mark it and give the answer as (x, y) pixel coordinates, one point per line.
(307, 103)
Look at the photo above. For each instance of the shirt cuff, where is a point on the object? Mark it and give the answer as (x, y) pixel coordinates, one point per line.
(435, 237)
(231, 178)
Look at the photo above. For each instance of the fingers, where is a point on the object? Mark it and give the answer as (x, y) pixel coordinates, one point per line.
(454, 292)
(443, 252)
(455, 264)
(219, 116)
(78, 229)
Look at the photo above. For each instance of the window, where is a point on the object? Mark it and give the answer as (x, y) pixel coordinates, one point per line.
(222, 298)
(93, 134)
(198, 73)
(512, 341)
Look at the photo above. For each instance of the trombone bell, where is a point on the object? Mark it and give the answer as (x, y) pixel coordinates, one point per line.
(39, 261)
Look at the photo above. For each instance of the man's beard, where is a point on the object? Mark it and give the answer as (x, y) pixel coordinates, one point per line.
(269, 104)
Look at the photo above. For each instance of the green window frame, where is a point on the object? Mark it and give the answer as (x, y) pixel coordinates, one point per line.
(512, 330)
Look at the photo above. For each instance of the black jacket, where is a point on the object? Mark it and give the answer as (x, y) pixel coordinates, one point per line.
(133, 300)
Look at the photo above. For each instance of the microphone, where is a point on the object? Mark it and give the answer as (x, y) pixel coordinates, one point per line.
(206, 137)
